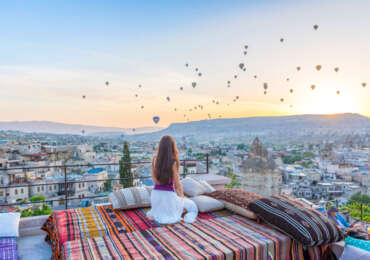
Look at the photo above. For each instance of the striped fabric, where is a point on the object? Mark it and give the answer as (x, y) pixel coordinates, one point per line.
(72, 224)
(129, 198)
(231, 237)
(306, 226)
(8, 248)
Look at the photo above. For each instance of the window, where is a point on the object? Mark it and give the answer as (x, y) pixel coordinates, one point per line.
(38, 189)
(55, 187)
(42, 188)
(16, 192)
(1, 193)
(50, 187)
(79, 185)
(22, 191)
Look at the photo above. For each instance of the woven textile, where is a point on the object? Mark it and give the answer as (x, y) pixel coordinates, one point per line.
(8, 248)
(301, 223)
(231, 237)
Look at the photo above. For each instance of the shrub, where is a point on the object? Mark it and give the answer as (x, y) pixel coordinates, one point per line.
(37, 198)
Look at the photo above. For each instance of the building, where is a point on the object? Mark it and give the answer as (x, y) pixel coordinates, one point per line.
(259, 172)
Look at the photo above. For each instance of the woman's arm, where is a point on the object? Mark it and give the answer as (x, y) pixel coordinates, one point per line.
(176, 179)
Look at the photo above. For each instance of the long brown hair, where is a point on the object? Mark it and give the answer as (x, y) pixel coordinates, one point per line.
(167, 155)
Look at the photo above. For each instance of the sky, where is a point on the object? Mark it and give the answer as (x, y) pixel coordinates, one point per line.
(52, 54)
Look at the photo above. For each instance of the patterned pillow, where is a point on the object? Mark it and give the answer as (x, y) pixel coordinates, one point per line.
(303, 224)
(207, 204)
(129, 198)
(238, 197)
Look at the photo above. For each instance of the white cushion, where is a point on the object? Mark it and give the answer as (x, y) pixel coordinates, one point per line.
(354, 253)
(207, 204)
(9, 223)
(207, 186)
(129, 198)
(192, 187)
(212, 179)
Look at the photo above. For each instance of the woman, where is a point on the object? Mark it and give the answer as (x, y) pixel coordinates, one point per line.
(167, 199)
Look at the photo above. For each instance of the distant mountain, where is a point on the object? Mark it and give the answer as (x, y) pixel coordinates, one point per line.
(283, 126)
(61, 128)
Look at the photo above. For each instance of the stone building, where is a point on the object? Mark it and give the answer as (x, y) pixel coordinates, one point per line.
(259, 172)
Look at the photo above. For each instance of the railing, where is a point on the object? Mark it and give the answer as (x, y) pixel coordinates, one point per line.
(67, 190)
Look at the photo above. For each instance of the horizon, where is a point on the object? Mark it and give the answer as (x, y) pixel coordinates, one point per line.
(166, 126)
(54, 54)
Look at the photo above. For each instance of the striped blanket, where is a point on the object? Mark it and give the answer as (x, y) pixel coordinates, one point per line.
(8, 248)
(230, 237)
(98, 221)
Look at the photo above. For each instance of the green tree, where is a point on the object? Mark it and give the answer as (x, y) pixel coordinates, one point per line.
(108, 185)
(234, 182)
(125, 167)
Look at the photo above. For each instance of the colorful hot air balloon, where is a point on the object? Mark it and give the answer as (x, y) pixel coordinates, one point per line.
(228, 82)
(133, 130)
(255, 76)
(313, 87)
(194, 84)
(291, 90)
(265, 92)
(245, 52)
(338, 92)
(265, 86)
(245, 46)
(244, 69)
(83, 96)
(83, 131)
(156, 119)
(181, 88)
(281, 99)
(142, 107)
(136, 95)
(168, 99)
(196, 69)
(235, 76)
(186, 64)
(336, 69)
(316, 27)
(298, 68)
(318, 67)
(363, 84)
(241, 65)
(287, 79)
(281, 39)
(107, 83)
(139, 86)
(199, 74)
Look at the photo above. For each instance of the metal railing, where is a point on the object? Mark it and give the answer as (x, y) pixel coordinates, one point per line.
(67, 181)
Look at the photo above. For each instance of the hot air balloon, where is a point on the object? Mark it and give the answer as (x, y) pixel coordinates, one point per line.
(291, 90)
(168, 99)
(235, 76)
(139, 86)
(228, 82)
(338, 92)
(186, 64)
(316, 27)
(83, 131)
(142, 107)
(265, 92)
(265, 86)
(156, 119)
(241, 65)
(281, 99)
(313, 87)
(318, 67)
(363, 84)
(199, 74)
(217, 103)
(133, 130)
(237, 97)
(196, 69)
(336, 69)
(194, 84)
(255, 76)
(107, 83)
(298, 68)
(175, 109)
(136, 95)
(245, 46)
(181, 88)
(228, 86)
(83, 96)
(244, 69)
(281, 39)
(287, 79)
(291, 106)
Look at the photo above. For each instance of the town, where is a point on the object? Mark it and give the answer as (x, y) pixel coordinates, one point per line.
(74, 171)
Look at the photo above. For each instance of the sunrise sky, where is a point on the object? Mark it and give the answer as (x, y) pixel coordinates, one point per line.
(53, 54)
